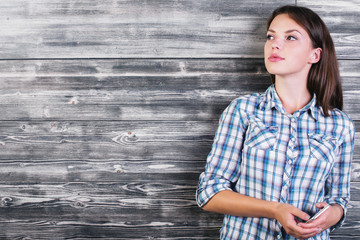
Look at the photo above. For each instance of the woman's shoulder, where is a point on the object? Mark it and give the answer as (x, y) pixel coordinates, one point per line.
(340, 118)
(248, 101)
(340, 121)
(243, 108)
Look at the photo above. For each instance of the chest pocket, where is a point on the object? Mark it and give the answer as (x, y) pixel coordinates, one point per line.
(322, 147)
(261, 136)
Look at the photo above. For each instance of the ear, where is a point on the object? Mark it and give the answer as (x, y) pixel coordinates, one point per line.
(316, 55)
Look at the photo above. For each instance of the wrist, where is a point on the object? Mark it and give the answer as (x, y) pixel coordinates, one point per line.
(273, 209)
(338, 207)
(338, 211)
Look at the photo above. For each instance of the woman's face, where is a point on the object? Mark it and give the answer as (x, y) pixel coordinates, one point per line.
(288, 50)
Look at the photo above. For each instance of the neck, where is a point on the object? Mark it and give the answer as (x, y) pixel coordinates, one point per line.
(293, 93)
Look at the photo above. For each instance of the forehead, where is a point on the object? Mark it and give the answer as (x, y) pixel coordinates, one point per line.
(283, 23)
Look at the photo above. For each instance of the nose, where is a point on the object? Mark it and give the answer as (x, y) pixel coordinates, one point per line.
(276, 44)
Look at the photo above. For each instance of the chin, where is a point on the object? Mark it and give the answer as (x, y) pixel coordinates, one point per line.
(273, 70)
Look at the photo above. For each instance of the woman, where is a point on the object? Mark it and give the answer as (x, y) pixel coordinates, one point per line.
(279, 157)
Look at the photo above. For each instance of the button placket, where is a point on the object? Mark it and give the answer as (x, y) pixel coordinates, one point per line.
(291, 154)
(286, 183)
(291, 151)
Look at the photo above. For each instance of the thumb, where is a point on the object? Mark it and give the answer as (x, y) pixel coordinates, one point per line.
(321, 204)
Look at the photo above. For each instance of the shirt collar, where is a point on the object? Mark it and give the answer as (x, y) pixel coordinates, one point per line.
(271, 100)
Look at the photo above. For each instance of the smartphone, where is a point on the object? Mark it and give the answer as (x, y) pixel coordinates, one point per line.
(318, 213)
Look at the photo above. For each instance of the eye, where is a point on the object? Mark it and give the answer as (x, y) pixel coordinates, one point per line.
(291, 38)
(269, 37)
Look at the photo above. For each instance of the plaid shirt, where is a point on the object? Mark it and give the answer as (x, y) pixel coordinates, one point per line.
(263, 152)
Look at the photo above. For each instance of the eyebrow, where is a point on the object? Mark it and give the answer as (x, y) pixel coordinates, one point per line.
(288, 31)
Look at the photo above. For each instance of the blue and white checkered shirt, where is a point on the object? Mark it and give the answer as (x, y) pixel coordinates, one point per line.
(263, 152)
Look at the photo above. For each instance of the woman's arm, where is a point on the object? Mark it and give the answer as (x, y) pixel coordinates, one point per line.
(235, 204)
(232, 203)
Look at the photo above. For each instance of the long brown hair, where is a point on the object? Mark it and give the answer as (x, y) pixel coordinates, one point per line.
(324, 77)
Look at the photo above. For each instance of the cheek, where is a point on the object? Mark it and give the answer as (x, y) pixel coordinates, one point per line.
(301, 56)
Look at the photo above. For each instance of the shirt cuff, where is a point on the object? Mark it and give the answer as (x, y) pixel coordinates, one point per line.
(343, 204)
(206, 191)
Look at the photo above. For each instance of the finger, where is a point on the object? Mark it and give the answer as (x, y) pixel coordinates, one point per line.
(306, 233)
(300, 214)
(303, 231)
(321, 204)
(306, 225)
(314, 233)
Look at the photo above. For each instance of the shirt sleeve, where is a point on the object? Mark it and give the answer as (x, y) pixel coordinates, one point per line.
(338, 183)
(223, 162)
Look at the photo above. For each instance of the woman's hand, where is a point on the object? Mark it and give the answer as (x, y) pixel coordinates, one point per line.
(328, 219)
(287, 216)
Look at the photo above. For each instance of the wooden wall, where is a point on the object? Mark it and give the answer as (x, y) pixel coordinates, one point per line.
(108, 110)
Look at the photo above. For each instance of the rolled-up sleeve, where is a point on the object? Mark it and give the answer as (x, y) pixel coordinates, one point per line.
(223, 161)
(338, 183)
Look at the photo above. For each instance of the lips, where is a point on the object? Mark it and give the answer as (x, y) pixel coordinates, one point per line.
(275, 58)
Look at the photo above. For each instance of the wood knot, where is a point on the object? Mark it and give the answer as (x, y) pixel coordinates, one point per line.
(6, 201)
(118, 169)
(79, 204)
(125, 139)
(74, 100)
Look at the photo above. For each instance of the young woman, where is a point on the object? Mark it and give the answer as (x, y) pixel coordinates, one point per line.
(280, 156)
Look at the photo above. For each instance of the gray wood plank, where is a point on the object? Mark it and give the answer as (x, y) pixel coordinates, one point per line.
(80, 230)
(138, 89)
(106, 209)
(133, 29)
(135, 90)
(47, 29)
(105, 140)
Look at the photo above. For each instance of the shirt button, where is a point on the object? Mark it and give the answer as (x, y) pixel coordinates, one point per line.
(279, 236)
(289, 162)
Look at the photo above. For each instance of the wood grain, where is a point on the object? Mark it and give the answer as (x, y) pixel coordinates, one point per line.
(138, 89)
(120, 207)
(162, 29)
(133, 29)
